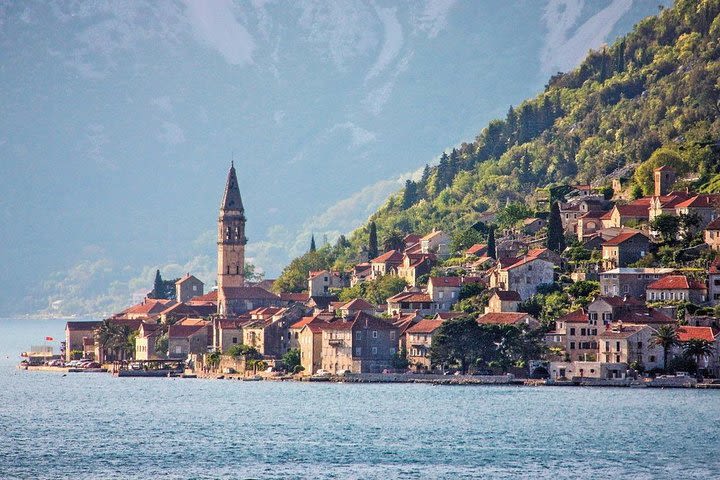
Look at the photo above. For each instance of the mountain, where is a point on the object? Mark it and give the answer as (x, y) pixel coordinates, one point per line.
(651, 96)
(120, 119)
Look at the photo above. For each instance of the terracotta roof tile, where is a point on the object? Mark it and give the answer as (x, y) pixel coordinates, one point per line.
(505, 318)
(676, 282)
(686, 333)
(425, 326)
(621, 238)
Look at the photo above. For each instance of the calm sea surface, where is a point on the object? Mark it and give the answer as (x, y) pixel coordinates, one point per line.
(96, 426)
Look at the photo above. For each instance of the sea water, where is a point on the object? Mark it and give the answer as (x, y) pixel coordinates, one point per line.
(97, 426)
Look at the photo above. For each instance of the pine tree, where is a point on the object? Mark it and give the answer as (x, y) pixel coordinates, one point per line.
(409, 194)
(373, 241)
(491, 249)
(159, 286)
(312, 243)
(555, 235)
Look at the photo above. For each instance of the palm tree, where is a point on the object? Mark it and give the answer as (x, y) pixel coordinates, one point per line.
(106, 335)
(697, 348)
(393, 240)
(666, 337)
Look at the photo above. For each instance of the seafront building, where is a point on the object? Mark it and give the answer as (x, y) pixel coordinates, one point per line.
(610, 334)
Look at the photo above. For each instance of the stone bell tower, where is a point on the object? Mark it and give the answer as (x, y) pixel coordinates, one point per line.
(231, 243)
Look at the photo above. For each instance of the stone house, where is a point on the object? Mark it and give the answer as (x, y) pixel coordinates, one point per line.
(145, 341)
(627, 215)
(415, 265)
(503, 301)
(523, 276)
(356, 305)
(477, 250)
(624, 249)
(630, 282)
(444, 291)
(705, 205)
(628, 344)
(270, 334)
(714, 282)
(363, 344)
(409, 301)
(310, 344)
(228, 332)
(320, 282)
(188, 287)
(530, 226)
(712, 234)
(75, 332)
(707, 364)
(360, 273)
(676, 287)
(386, 264)
(186, 339)
(419, 340)
(437, 242)
(239, 300)
(577, 334)
(666, 204)
(588, 224)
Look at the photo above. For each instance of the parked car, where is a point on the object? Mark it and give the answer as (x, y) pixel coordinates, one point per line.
(56, 363)
(322, 373)
(92, 365)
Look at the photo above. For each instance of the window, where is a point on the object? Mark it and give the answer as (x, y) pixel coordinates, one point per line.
(652, 358)
(358, 351)
(441, 294)
(572, 331)
(617, 346)
(572, 345)
(583, 332)
(607, 346)
(234, 339)
(194, 288)
(392, 335)
(358, 335)
(639, 345)
(626, 288)
(392, 351)
(374, 350)
(374, 334)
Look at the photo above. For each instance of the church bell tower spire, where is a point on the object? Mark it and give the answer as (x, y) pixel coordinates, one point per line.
(231, 242)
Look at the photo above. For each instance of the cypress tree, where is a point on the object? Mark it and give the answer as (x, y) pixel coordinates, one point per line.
(373, 241)
(312, 242)
(159, 286)
(491, 249)
(555, 235)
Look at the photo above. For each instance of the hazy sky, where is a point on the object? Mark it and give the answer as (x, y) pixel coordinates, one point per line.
(118, 122)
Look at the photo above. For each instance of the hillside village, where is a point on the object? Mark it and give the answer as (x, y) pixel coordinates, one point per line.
(599, 286)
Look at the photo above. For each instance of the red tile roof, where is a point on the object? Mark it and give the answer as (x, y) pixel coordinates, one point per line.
(621, 238)
(620, 331)
(445, 281)
(505, 318)
(650, 316)
(358, 304)
(576, 316)
(676, 282)
(393, 256)
(447, 315)
(302, 322)
(477, 249)
(507, 295)
(704, 200)
(294, 297)
(686, 333)
(410, 297)
(425, 326)
(184, 331)
(82, 326)
(208, 297)
(149, 306)
(631, 210)
(714, 225)
(248, 293)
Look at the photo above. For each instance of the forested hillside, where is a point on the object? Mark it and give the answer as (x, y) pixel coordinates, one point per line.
(653, 96)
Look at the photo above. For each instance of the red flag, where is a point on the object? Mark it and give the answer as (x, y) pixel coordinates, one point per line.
(49, 339)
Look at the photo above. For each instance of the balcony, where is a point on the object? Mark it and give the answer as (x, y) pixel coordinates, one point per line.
(336, 342)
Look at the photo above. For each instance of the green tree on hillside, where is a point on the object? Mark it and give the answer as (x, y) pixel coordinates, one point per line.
(373, 241)
(312, 243)
(555, 233)
(491, 248)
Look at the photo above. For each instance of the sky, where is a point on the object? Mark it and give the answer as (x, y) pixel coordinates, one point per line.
(118, 122)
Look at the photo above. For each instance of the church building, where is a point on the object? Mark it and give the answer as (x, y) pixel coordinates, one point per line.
(234, 296)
